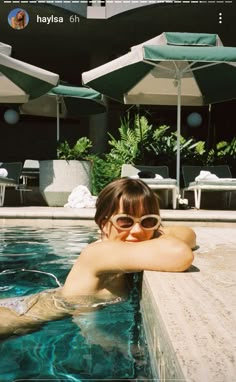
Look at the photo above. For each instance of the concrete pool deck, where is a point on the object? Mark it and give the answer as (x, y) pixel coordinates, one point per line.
(189, 317)
(62, 213)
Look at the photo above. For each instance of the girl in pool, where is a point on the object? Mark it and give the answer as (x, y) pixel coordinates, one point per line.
(133, 239)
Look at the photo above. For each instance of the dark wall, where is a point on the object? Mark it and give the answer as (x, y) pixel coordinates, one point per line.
(216, 126)
(35, 138)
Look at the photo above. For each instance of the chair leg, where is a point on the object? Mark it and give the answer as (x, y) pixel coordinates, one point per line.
(21, 198)
(24, 180)
(174, 196)
(228, 198)
(166, 197)
(2, 194)
(197, 197)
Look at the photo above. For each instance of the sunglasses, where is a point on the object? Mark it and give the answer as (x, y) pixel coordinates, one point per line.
(125, 222)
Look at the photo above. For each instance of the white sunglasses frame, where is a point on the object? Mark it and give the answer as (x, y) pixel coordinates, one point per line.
(114, 218)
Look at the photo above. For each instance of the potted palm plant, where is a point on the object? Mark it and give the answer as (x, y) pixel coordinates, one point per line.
(60, 176)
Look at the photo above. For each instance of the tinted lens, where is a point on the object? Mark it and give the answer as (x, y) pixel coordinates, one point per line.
(149, 222)
(124, 222)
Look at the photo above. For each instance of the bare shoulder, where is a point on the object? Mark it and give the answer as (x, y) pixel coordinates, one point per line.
(184, 233)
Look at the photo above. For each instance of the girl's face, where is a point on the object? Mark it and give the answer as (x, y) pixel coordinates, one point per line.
(20, 15)
(134, 234)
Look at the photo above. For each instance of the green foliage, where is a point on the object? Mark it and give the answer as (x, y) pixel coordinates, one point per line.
(77, 152)
(133, 136)
(128, 148)
(64, 151)
(104, 171)
(200, 148)
(162, 147)
(141, 143)
(223, 153)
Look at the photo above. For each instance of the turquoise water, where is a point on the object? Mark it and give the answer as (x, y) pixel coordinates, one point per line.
(107, 344)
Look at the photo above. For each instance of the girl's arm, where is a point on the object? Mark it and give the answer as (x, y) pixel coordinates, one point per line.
(117, 256)
(165, 253)
(13, 24)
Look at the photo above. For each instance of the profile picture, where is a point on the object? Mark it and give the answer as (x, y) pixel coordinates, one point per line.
(18, 18)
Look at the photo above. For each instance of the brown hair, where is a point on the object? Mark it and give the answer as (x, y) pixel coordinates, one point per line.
(137, 198)
(22, 22)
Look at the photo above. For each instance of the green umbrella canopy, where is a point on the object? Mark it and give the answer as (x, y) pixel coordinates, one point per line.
(72, 101)
(66, 101)
(190, 69)
(147, 74)
(79, 100)
(20, 81)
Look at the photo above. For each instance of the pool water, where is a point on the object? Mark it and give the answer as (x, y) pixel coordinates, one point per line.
(107, 344)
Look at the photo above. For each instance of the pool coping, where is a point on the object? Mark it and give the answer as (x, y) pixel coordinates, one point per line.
(60, 213)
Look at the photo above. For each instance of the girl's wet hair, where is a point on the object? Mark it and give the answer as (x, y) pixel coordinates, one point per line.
(23, 21)
(21, 11)
(137, 199)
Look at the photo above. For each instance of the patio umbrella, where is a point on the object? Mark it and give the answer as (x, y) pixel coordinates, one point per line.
(20, 81)
(63, 101)
(191, 69)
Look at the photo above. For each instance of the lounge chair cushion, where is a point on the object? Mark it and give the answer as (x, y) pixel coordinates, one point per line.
(214, 182)
(7, 181)
(167, 181)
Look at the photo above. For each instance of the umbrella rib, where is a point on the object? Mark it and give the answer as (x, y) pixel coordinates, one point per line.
(156, 65)
(160, 66)
(204, 66)
(185, 70)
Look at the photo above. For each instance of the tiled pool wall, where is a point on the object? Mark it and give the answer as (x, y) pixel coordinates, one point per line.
(163, 362)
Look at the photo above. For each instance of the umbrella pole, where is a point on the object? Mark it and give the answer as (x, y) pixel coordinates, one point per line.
(140, 129)
(58, 118)
(209, 128)
(178, 132)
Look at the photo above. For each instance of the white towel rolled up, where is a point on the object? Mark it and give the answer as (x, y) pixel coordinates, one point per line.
(206, 175)
(157, 176)
(3, 172)
(81, 197)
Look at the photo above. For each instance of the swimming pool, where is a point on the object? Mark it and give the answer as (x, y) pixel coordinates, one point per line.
(107, 344)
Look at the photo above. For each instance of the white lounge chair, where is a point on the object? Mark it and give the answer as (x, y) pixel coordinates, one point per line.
(12, 179)
(166, 183)
(222, 182)
(30, 170)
